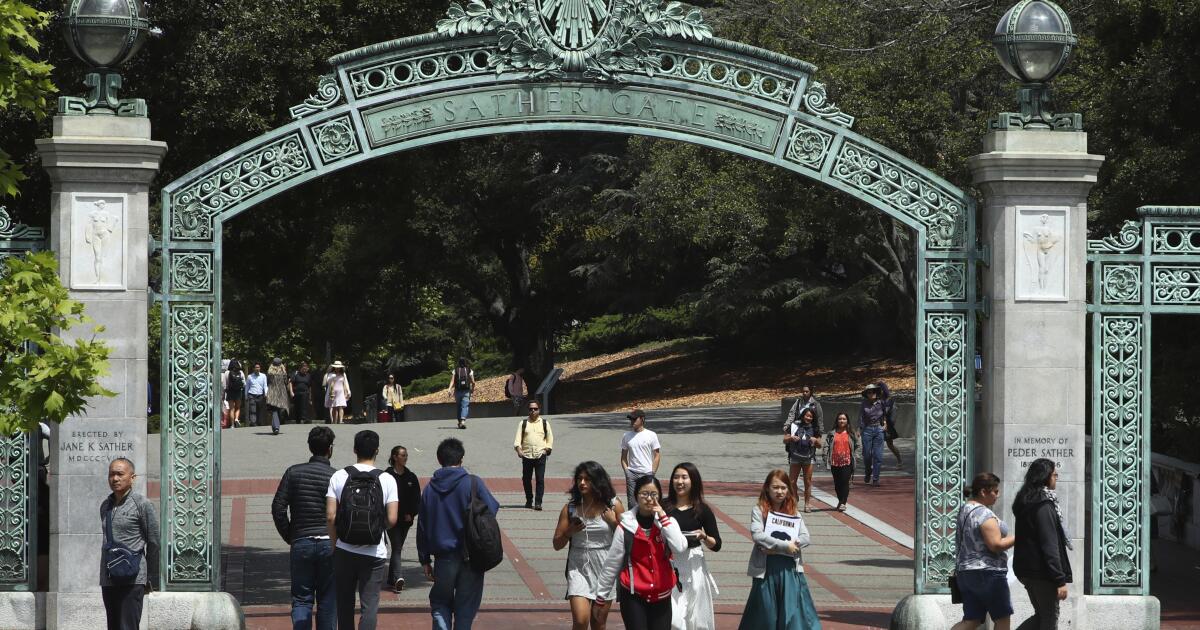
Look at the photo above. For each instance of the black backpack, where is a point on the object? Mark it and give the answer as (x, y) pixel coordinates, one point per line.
(361, 515)
(462, 378)
(481, 534)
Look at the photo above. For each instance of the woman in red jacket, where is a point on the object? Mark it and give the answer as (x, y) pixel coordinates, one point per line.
(639, 560)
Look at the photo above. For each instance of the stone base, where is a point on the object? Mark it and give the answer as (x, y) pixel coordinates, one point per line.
(194, 611)
(1094, 612)
(22, 610)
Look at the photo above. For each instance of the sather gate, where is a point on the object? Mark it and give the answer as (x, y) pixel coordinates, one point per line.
(633, 67)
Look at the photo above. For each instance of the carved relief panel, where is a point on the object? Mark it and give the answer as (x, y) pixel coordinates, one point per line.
(1040, 257)
(98, 241)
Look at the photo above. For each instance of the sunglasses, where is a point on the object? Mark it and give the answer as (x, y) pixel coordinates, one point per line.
(535, 408)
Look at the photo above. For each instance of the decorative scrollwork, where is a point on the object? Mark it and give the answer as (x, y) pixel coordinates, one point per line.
(1127, 240)
(1122, 284)
(942, 212)
(231, 183)
(1176, 284)
(328, 94)
(599, 39)
(192, 272)
(808, 146)
(189, 485)
(816, 103)
(18, 231)
(1175, 239)
(335, 139)
(15, 518)
(1120, 423)
(946, 281)
(947, 392)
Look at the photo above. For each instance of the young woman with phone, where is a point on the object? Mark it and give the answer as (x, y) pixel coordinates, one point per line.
(586, 523)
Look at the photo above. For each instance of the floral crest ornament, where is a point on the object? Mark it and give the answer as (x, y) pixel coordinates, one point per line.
(598, 38)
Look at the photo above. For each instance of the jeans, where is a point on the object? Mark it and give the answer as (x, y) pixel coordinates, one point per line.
(528, 467)
(463, 399)
(275, 411)
(123, 605)
(630, 479)
(354, 571)
(456, 593)
(1043, 594)
(312, 582)
(254, 407)
(841, 482)
(872, 452)
(396, 536)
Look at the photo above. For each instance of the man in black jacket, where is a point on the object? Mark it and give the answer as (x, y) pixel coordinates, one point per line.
(302, 494)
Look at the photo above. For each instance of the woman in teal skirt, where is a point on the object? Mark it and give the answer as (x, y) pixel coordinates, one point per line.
(779, 597)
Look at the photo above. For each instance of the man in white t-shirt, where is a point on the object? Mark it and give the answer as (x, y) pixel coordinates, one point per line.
(640, 452)
(359, 567)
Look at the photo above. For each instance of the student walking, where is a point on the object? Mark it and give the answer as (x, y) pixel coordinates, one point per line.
(842, 445)
(981, 570)
(533, 443)
(806, 400)
(279, 393)
(462, 385)
(256, 394)
(129, 555)
(233, 383)
(779, 596)
(692, 602)
(361, 504)
(298, 510)
(802, 439)
(457, 586)
(641, 452)
(889, 413)
(1040, 557)
(409, 489)
(515, 390)
(337, 392)
(586, 523)
(299, 388)
(641, 553)
(872, 423)
(392, 398)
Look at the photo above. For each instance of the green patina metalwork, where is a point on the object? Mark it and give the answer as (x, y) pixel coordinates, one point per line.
(18, 481)
(1150, 266)
(515, 66)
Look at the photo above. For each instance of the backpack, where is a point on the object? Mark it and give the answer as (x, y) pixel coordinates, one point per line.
(481, 533)
(545, 429)
(462, 379)
(361, 515)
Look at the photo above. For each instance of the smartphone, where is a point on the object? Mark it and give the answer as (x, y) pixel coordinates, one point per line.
(575, 520)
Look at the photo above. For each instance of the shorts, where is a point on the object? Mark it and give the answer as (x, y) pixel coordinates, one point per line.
(985, 593)
(891, 434)
(803, 460)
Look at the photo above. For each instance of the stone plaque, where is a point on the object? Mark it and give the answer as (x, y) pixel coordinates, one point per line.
(628, 105)
(1025, 443)
(87, 447)
(98, 242)
(1041, 254)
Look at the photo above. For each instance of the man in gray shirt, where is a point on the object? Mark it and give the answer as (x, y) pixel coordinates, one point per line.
(128, 519)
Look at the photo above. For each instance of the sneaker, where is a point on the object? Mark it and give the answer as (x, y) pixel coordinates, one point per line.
(875, 483)
(462, 424)
(842, 507)
(274, 431)
(537, 508)
(529, 505)
(399, 585)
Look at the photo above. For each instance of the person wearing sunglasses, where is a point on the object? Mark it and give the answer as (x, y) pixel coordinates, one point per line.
(639, 561)
(533, 444)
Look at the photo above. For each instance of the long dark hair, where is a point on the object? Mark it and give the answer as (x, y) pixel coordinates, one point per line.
(695, 495)
(601, 483)
(982, 481)
(235, 366)
(1037, 476)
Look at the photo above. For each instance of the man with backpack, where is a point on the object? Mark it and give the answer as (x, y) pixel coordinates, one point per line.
(298, 510)
(462, 384)
(533, 444)
(361, 504)
(457, 539)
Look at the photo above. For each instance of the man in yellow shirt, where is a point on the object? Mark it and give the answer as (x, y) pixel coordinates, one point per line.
(533, 444)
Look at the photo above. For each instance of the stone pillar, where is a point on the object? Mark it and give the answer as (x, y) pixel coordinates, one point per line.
(100, 170)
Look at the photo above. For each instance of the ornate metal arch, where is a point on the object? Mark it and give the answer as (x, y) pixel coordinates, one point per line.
(513, 66)
(1151, 266)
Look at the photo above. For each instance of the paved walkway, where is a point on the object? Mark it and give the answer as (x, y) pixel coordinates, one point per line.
(859, 565)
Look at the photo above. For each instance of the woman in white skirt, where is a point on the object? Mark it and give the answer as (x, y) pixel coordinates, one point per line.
(692, 603)
(586, 524)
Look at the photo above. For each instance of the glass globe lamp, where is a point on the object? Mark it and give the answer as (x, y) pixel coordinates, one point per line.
(103, 34)
(1033, 42)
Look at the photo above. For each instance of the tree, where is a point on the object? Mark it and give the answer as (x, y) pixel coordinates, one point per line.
(43, 376)
(24, 83)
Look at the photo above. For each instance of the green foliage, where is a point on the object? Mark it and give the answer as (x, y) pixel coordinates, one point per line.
(24, 82)
(55, 379)
(610, 333)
